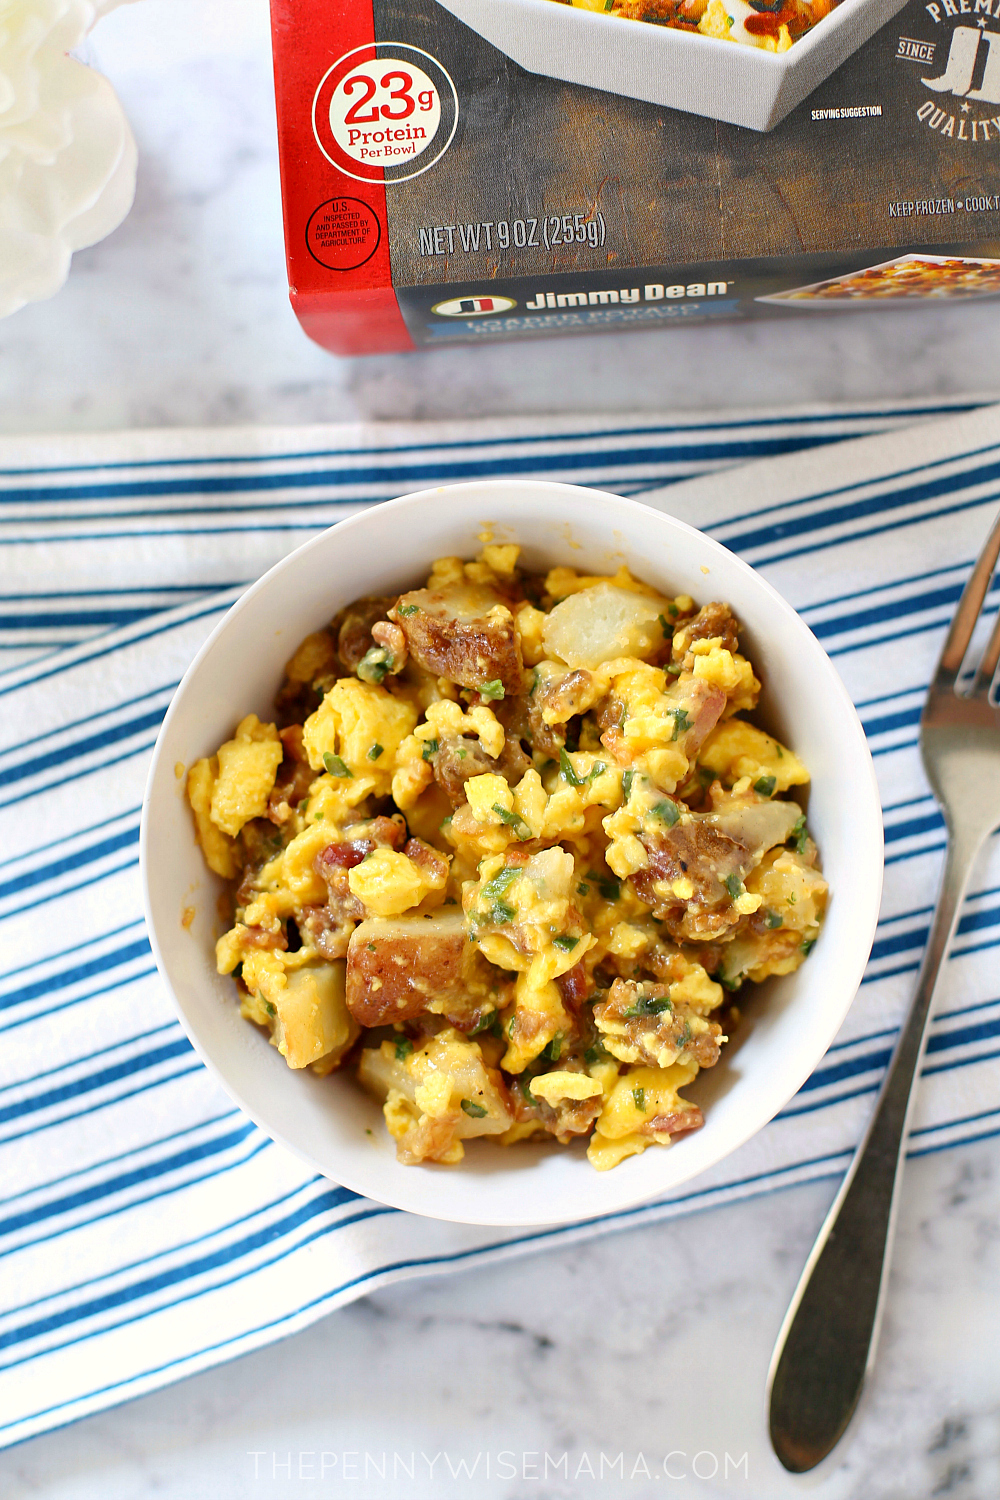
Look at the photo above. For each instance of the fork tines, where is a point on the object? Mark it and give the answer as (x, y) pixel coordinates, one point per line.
(962, 626)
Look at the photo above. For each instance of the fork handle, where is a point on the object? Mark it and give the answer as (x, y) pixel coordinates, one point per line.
(827, 1342)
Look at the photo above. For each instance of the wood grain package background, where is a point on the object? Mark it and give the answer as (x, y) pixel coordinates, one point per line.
(677, 190)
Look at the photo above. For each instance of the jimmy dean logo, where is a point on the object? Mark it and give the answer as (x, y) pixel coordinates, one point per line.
(971, 72)
(654, 291)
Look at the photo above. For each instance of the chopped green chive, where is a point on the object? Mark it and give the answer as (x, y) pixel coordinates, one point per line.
(765, 785)
(682, 721)
(374, 665)
(682, 1040)
(403, 1048)
(501, 882)
(430, 748)
(667, 629)
(808, 945)
(375, 751)
(650, 1005)
(511, 820)
(553, 1051)
(733, 885)
(485, 1023)
(594, 1054)
(800, 833)
(472, 1108)
(583, 889)
(673, 611)
(609, 888)
(792, 898)
(639, 1096)
(566, 769)
(408, 609)
(565, 942)
(336, 766)
(270, 1008)
(773, 918)
(597, 769)
(627, 778)
(667, 811)
(492, 689)
(500, 912)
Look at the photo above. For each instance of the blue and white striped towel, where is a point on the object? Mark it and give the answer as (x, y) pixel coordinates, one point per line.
(147, 1228)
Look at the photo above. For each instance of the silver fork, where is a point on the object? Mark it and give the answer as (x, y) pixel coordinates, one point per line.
(827, 1342)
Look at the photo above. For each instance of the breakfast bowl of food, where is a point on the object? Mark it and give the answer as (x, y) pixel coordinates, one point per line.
(747, 62)
(512, 852)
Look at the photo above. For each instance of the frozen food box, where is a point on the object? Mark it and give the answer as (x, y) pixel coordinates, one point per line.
(462, 171)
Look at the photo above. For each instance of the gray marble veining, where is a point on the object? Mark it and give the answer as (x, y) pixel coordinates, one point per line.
(645, 1344)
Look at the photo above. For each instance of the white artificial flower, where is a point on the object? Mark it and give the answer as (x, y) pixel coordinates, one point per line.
(67, 156)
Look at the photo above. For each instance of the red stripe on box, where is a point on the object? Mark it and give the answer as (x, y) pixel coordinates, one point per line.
(330, 218)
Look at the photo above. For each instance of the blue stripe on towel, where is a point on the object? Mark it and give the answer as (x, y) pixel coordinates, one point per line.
(89, 981)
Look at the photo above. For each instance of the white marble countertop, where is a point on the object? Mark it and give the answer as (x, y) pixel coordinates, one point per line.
(645, 1344)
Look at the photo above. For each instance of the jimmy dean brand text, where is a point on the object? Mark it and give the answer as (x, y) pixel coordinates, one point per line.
(449, 173)
(652, 292)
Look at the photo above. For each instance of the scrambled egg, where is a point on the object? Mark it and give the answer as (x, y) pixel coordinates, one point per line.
(769, 28)
(508, 849)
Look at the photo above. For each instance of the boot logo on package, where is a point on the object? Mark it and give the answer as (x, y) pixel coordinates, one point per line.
(971, 73)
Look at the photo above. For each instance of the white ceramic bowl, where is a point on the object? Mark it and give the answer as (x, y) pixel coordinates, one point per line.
(790, 1022)
(723, 80)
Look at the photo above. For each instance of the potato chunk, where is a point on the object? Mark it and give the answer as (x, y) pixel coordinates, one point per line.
(304, 1006)
(697, 867)
(464, 632)
(604, 622)
(436, 1095)
(400, 967)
